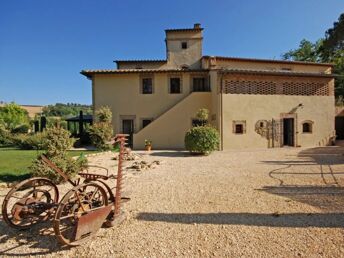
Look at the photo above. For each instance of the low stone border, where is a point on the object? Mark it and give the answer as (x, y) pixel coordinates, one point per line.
(93, 154)
(97, 154)
(5, 185)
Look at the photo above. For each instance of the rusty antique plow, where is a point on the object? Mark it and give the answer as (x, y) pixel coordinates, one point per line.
(81, 212)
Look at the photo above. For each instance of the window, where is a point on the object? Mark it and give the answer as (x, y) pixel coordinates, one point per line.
(307, 127)
(147, 86)
(146, 122)
(199, 84)
(184, 45)
(175, 85)
(198, 122)
(239, 127)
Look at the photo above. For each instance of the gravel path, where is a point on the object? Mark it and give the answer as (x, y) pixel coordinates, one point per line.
(257, 203)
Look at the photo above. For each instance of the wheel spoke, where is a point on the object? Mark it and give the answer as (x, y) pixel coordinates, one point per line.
(93, 194)
(24, 204)
(77, 203)
(66, 217)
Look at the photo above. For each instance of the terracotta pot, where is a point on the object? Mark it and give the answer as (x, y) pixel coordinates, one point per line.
(148, 147)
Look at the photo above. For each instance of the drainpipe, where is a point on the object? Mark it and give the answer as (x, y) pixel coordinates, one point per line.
(221, 110)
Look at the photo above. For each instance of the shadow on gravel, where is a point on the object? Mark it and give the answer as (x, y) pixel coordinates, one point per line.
(8, 177)
(333, 155)
(171, 154)
(39, 236)
(295, 220)
(327, 198)
(311, 166)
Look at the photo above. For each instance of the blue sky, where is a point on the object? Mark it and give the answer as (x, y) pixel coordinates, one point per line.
(44, 44)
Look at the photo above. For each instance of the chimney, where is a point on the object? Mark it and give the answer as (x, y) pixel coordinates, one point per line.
(197, 26)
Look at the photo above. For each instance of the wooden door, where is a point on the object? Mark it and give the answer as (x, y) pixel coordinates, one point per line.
(128, 128)
(288, 131)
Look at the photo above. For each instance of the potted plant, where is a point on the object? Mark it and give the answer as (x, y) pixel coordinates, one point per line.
(148, 145)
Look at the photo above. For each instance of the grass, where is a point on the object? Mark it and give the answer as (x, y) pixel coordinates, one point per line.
(14, 163)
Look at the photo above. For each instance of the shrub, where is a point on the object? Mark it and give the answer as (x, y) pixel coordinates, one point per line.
(202, 114)
(63, 124)
(23, 128)
(104, 114)
(100, 134)
(54, 121)
(57, 143)
(68, 165)
(101, 131)
(12, 115)
(5, 137)
(29, 141)
(202, 140)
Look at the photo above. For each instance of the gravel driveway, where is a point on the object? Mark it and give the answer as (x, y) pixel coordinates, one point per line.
(285, 202)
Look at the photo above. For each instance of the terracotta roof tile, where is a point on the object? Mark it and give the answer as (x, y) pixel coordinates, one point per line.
(89, 73)
(275, 72)
(142, 61)
(184, 30)
(266, 60)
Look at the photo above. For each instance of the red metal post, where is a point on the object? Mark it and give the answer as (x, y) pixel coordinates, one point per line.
(121, 139)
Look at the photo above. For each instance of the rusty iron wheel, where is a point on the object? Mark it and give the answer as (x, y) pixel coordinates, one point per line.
(72, 223)
(110, 195)
(30, 202)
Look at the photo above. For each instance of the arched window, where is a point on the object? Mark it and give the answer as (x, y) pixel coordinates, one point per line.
(307, 127)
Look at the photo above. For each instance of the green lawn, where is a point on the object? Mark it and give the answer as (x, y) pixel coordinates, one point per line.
(14, 163)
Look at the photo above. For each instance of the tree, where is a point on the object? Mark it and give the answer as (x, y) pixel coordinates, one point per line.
(338, 60)
(334, 40)
(66, 110)
(12, 116)
(307, 51)
(329, 50)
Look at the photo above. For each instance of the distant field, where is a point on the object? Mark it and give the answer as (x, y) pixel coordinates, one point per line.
(14, 163)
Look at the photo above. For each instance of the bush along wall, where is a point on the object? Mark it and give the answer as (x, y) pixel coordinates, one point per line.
(202, 140)
(101, 132)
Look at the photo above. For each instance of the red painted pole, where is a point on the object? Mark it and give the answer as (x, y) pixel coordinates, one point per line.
(121, 138)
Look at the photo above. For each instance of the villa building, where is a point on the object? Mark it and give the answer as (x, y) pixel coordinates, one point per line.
(252, 102)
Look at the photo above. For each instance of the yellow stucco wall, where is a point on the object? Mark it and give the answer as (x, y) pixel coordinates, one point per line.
(178, 57)
(121, 92)
(172, 113)
(251, 108)
(168, 131)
